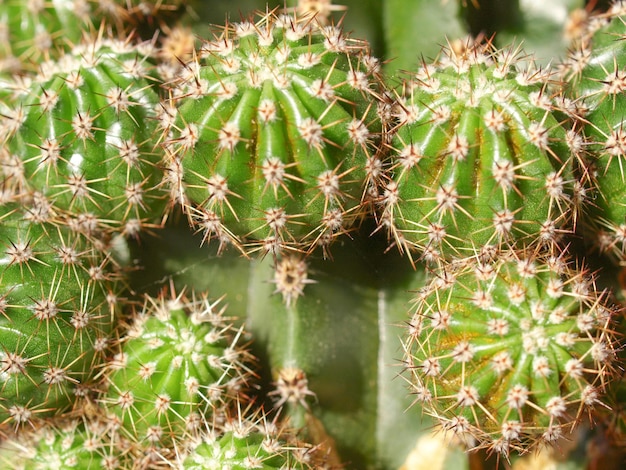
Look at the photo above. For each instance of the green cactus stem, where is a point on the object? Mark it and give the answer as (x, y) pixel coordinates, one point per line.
(58, 305)
(593, 73)
(72, 444)
(272, 133)
(37, 30)
(510, 352)
(82, 134)
(478, 157)
(243, 442)
(180, 362)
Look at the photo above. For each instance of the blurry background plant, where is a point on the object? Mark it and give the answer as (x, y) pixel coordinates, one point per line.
(330, 360)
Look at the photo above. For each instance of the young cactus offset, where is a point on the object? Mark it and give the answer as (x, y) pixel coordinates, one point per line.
(179, 363)
(510, 352)
(82, 134)
(478, 156)
(58, 304)
(272, 133)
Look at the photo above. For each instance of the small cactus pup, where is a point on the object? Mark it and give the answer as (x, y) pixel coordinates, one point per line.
(180, 362)
(68, 444)
(272, 133)
(243, 442)
(477, 157)
(58, 305)
(594, 74)
(511, 352)
(82, 134)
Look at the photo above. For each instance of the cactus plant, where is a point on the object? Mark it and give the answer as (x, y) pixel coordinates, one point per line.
(273, 133)
(478, 156)
(179, 360)
(70, 444)
(593, 71)
(80, 133)
(248, 442)
(38, 30)
(279, 134)
(58, 307)
(510, 352)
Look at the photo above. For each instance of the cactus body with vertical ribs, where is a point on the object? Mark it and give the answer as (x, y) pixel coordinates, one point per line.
(81, 133)
(273, 132)
(478, 157)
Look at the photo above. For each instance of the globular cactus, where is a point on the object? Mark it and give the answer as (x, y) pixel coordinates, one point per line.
(510, 352)
(478, 156)
(37, 30)
(594, 77)
(245, 442)
(58, 307)
(272, 133)
(69, 444)
(82, 134)
(180, 362)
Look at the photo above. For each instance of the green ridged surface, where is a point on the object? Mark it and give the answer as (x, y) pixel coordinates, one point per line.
(82, 133)
(63, 446)
(178, 363)
(33, 30)
(479, 157)
(512, 352)
(36, 30)
(57, 306)
(594, 74)
(273, 138)
(247, 447)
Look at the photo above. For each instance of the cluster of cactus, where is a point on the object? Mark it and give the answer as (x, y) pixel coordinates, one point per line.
(470, 202)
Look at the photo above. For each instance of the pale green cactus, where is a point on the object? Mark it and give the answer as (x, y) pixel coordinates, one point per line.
(180, 362)
(511, 352)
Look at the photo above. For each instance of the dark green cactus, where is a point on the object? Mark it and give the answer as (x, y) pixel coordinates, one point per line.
(272, 133)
